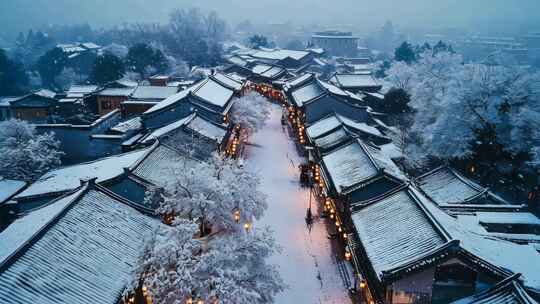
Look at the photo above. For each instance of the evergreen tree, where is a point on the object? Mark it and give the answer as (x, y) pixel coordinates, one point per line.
(396, 101)
(258, 41)
(13, 78)
(405, 53)
(50, 65)
(107, 68)
(142, 57)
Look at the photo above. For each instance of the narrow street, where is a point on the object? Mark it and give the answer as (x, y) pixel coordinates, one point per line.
(307, 261)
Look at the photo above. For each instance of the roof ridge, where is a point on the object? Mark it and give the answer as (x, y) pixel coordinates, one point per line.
(141, 159)
(429, 215)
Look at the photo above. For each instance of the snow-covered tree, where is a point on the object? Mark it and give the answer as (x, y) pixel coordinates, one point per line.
(24, 154)
(470, 110)
(251, 111)
(218, 194)
(229, 268)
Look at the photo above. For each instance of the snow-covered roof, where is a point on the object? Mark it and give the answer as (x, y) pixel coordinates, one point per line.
(332, 139)
(360, 126)
(153, 92)
(192, 122)
(273, 72)
(128, 125)
(267, 70)
(357, 163)
(508, 291)
(81, 90)
(333, 121)
(508, 218)
(445, 185)
(323, 126)
(127, 91)
(5, 101)
(237, 60)
(402, 229)
(349, 165)
(306, 93)
(213, 92)
(298, 81)
(159, 132)
(70, 48)
(90, 45)
(9, 188)
(395, 231)
(228, 81)
(45, 93)
(237, 77)
(360, 80)
(495, 251)
(173, 99)
(160, 165)
(82, 248)
(279, 54)
(207, 129)
(68, 178)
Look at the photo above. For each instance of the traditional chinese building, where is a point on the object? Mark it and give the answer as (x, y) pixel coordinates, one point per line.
(79, 248)
(407, 250)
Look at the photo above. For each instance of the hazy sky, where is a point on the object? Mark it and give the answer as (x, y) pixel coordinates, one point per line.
(18, 15)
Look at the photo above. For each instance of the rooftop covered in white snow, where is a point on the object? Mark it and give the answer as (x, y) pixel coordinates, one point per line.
(81, 248)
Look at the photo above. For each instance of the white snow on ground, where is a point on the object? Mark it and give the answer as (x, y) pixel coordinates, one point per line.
(306, 256)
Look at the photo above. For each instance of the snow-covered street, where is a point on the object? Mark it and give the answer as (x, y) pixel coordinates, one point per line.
(307, 262)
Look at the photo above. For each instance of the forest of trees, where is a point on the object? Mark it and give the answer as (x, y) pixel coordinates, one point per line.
(190, 38)
(480, 117)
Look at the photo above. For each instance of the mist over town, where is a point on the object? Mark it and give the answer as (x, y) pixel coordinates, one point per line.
(317, 152)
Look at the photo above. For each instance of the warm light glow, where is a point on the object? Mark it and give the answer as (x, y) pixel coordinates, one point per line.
(339, 229)
(345, 236)
(237, 216)
(189, 301)
(247, 226)
(362, 284)
(331, 215)
(200, 301)
(338, 224)
(347, 255)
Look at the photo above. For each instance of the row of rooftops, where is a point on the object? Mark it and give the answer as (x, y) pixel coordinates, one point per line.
(88, 219)
(93, 215)
(433, 217)
(420, 220)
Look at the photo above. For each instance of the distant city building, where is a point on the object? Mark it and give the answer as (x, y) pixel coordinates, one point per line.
(336, 43)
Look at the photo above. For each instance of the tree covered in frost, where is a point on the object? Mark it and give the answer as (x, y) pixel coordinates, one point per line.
(24, 154)
(212, 192)
(251, 111)
(195, 37)
(229, 268)
(487, 113)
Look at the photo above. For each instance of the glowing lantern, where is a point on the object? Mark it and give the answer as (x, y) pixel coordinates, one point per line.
(237, 216)
(362, 284)
(345, 236)
(247, 226)
(348, 255)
